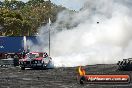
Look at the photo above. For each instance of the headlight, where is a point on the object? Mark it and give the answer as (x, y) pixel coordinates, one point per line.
(36, 62)
(24, 62)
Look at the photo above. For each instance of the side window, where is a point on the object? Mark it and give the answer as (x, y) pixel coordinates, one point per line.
(37, 55)
(41, 54)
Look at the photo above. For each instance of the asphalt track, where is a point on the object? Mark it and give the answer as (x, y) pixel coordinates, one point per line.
(13, 77)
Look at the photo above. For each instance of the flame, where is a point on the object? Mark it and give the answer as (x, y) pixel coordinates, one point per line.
(81, 71)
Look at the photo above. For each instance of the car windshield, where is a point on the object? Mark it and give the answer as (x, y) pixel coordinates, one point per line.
(34, 55)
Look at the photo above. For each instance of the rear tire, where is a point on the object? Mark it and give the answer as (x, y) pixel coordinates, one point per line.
(22, 68)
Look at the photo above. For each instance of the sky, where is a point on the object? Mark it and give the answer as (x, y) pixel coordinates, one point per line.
(71, 4)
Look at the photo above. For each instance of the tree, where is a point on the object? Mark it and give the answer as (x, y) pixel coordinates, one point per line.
(19, 18)
(13, 4)
(11, 22)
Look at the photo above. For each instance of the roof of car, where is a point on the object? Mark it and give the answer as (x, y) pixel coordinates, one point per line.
(36, 52)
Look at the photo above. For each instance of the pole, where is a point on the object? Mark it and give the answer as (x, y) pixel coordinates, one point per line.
(49, 35)
(25, 43)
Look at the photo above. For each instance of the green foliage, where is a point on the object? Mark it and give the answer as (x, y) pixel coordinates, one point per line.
(11, 22)
(18, 18)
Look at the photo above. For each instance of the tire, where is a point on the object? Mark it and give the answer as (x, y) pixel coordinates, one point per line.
(22, 68)
(43, 66)
(8, 56)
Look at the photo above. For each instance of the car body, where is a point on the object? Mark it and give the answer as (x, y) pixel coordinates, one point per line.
(36, 60)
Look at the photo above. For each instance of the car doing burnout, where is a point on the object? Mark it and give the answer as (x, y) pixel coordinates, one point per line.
(36, 60)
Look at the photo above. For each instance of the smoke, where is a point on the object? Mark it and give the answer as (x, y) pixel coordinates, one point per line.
(100, 33)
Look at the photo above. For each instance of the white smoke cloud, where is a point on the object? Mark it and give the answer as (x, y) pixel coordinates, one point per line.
(89, 42)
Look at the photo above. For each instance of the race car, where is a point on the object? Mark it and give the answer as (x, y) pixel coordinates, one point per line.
(36, 60)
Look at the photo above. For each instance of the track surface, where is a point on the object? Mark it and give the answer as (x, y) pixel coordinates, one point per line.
(13, 77)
